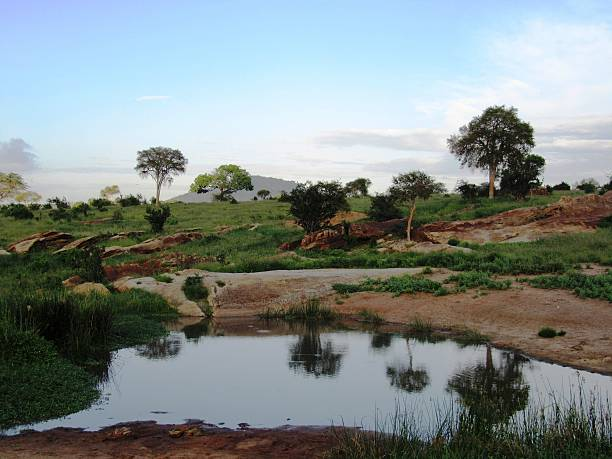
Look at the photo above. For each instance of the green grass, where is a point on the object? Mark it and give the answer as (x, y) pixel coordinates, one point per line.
(163, 278)
(585, 286)
(396, 285)
(572, 429)
(420, 326)
(194, 290)
(367, 315)
(474, 279)
(308, 310)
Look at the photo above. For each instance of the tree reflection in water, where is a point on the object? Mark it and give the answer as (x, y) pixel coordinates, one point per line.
(381, 340)
(163, 348)
(492, 394)
(406, 377)
(311, 355)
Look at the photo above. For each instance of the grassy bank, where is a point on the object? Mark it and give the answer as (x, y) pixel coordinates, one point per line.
(576, 429)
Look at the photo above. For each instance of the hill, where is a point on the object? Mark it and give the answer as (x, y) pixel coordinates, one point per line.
(273, 185)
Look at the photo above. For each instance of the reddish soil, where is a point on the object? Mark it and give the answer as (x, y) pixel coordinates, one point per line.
(148, 439)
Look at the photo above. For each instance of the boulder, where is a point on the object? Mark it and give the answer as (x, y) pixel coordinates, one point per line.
(332, 238)
(87, 288)
(375, 230)
(44, 240)
(153, 245)
(72, 281)
(348, 216)
(4, 252)
(82, 243)
(568, 215)
(126, 235)
(400, 245)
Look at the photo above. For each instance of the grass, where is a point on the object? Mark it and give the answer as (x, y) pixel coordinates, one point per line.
(367, 315)
(573, 429)
(474, 279)
(194, 290)
(585, 286)
(310, 309)
(420, 326)
(163, 278)
(396, 285)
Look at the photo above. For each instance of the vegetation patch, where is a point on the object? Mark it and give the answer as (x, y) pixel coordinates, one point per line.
(194, 290)
(475, 279)
(585, 286)
(547, 332)
(367, 315)
(395, 285)
(163, 278)
(308, 310)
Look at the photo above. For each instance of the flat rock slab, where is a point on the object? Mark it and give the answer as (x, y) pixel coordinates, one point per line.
(243, 294)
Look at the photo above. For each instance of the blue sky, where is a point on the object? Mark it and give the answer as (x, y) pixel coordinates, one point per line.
(297, 90)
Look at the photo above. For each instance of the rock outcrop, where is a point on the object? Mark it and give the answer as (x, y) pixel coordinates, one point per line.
(403, 245)
(568, 215)
(44, 240)
(88, 288)
(153, 245)
(82, 243)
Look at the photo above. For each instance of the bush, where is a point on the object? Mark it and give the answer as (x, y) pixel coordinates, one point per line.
(60, 214)
(561, 187)
(473, 279)
(117, 216)
(157, 216)
(80, 208)
(547, 332)
(100, 203)
(59, 203)
(194, 290)
(468, 191)
(18, 212)
(585, 286)
(313, 205)
(383, 208)
(130, 200)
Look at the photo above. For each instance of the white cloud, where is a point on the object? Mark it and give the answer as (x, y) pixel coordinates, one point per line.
(149, 98)
(396, 139)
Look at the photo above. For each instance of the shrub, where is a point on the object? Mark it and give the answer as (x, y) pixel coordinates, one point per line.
(130, 200)
(59, 203)
(454, 242)
(194, 290)
(395, 285)
(117, 216)
(60, 214)
(100, 203)
(468, 191)
(547, 332)
(157, 216)
(18, 212)
(371, 316)
(473, 279)
(585, 286)
(562, 187)
(313, 205)
(163, 278)
(383, 208)
(80, 208)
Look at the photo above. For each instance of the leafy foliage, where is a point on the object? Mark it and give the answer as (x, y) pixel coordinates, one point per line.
(383, 208)
(358, 187)
(521, 175)
(473, 279)
(585, 286)
(313, 205)
(227, 178)
(157, 216)
(161, 164)
(11, 184)
(18, 212)
(395, 285)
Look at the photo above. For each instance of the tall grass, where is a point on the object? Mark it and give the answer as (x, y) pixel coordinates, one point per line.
(578, 428)
(310, 309)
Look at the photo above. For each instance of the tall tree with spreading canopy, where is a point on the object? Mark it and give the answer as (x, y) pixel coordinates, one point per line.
(227, 178)
(161, 164)
(313, 205)
(109, 191)
(11, 184)
(490, 141)
(263, 194)
(409, 187)
(521, 175)
(358, 187)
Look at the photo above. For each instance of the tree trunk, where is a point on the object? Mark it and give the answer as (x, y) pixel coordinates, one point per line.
(157, 204)
(492, 173)
(409, 220)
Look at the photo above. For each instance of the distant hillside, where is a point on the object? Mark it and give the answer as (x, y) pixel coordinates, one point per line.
(273, 185)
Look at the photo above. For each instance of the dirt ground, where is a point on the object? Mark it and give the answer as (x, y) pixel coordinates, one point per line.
(148, 440)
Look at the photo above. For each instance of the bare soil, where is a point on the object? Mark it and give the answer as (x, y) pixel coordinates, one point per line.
(148, 440)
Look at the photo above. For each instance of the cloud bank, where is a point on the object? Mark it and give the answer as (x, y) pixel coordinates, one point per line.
(17, 156)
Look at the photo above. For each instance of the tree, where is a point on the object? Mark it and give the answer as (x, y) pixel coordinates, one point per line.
(383, 208)
(409, 187)
(11, 184)
(313, 205)
(490, 141)
(521, 175)
(157, 216)
(109, 191)
(160, 163)
(562, 187)
(358, 187)
(468, 191)
(227, 178)
(28, 196)
(263, 194)
(588, 185)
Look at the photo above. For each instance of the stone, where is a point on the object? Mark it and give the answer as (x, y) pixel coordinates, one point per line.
(82, 243)
(4, 252)
(87, 288)
(402, 245)
(72, 281)
(153, 245)
(44, 240)
(323, 240)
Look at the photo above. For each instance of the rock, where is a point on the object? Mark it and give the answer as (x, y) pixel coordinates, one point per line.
(325, 239)
(44, 240)
(290, 245)
(568, 215)
(82, 243)
(153, 245)
(87, 288)
(350, 217)
(376, 230)
(72, 282)
(399, 245)
(153, 265)
(4, 252)
(126, 235)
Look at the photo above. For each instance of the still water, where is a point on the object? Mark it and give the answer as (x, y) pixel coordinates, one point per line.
(277, 374)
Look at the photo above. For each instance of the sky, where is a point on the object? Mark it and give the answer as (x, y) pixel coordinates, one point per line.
(300, 90)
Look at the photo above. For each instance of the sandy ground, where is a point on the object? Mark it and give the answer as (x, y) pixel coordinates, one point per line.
(148, 440)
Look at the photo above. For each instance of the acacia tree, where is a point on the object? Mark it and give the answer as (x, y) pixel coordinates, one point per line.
(263, 194)
(227, 178)
(11, 184)
(109, 191)
(161, 164)
(492, 140)
(409, 187)
(28, 196)
(358, 187)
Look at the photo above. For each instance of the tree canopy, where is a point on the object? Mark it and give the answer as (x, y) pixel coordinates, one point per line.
(109, 191)
(263, 194)
(492, 140)
(358, 187)
(521, 175)
(227, 179)
(161, 164)
(313, 205)
(409, 187)
(11, 184)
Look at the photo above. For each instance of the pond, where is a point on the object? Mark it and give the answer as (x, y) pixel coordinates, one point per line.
(272, 374)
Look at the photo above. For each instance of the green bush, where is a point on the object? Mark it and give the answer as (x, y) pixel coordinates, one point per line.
(18, 212)
(194, 290)
(474, 279)
(395, 285)
(157, 216)
(585, 286)
(383, 208)
(547, 332)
